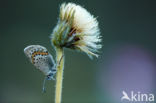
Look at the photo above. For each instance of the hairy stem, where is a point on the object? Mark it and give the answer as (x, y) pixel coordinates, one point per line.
(59, 74)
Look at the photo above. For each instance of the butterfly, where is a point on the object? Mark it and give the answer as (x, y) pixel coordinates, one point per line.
(42, 60)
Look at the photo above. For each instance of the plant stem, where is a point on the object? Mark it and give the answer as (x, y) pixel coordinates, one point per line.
(59, 74)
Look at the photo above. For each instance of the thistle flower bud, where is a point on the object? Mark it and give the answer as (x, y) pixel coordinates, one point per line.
(77, 29)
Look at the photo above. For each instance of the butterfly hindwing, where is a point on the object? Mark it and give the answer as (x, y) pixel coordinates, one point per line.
(40, 58)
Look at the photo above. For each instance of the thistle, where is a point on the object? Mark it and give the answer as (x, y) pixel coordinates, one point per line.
(78, 30)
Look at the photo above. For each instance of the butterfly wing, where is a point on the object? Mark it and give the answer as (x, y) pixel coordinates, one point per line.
(40, 58)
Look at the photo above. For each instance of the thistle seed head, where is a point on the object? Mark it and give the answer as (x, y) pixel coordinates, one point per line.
(77, 29)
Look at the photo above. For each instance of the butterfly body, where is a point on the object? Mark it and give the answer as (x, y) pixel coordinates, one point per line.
(41, 59)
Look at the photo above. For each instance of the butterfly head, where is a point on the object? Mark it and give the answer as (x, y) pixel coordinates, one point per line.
(50, 76)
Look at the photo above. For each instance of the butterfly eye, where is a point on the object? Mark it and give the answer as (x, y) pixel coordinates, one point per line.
(48, 77)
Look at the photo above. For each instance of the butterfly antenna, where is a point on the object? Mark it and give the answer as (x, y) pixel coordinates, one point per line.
(43, 88)
(61, 59)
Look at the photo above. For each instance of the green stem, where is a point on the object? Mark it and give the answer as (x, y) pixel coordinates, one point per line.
(59, 74)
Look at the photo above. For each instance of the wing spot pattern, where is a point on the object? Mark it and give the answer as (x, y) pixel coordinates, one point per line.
(37, 53)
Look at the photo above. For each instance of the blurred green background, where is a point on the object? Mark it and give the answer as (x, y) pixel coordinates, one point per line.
(125, 25)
